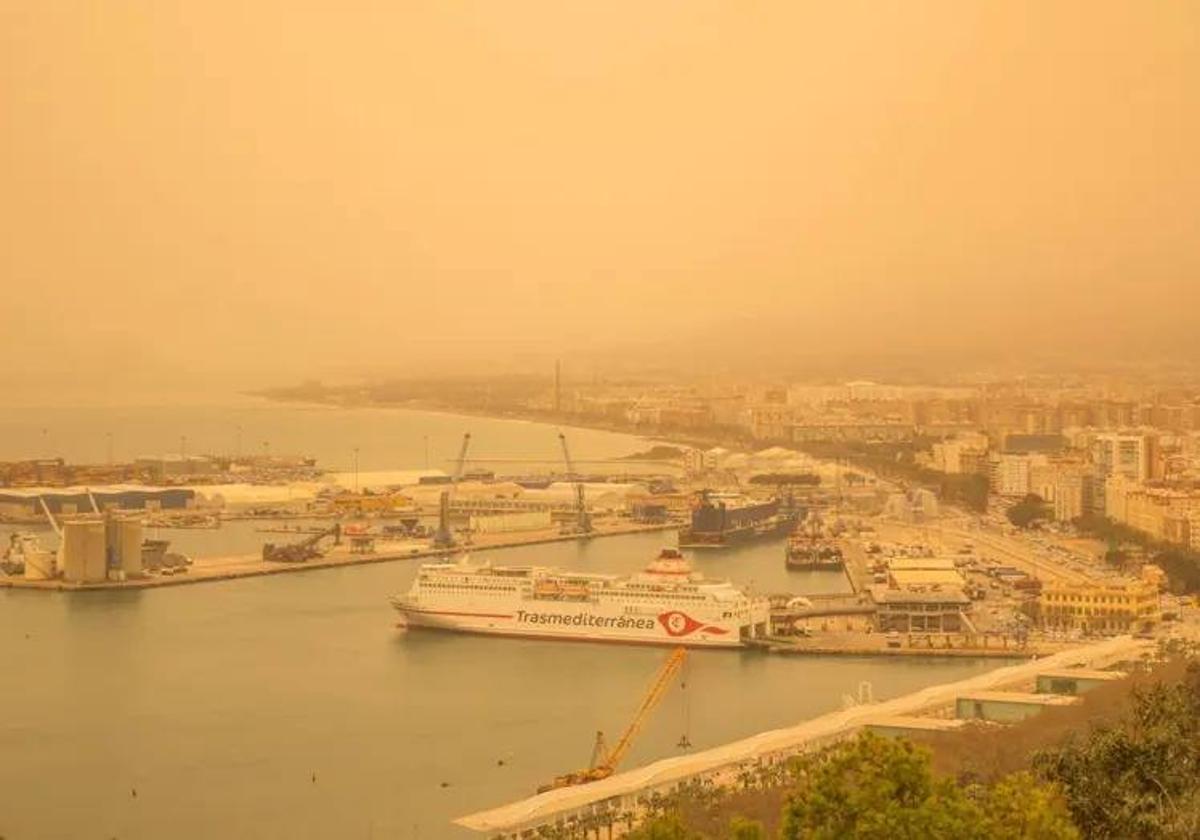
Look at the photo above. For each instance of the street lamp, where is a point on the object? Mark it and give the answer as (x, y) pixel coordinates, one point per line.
(356, 470)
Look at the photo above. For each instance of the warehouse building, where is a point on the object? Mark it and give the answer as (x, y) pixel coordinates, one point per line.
(20, 502)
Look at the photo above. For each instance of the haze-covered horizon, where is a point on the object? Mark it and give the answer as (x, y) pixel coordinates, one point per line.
(228, 196)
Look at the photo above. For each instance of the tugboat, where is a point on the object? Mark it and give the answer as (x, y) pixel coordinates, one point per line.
(810, 549)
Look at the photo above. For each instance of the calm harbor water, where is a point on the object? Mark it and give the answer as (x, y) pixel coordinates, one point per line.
(290, 706)
(386, 438)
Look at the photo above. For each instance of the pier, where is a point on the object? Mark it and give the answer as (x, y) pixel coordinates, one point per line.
(205, 570)
(628, 791)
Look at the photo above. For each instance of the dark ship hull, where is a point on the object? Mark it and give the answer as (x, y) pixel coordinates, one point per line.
(719, 523)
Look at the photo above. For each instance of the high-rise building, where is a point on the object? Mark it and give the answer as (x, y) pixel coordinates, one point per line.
(1069, 496)
(1011, 474)
(1127, 454)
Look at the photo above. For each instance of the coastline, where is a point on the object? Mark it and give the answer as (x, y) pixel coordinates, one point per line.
(549, 418)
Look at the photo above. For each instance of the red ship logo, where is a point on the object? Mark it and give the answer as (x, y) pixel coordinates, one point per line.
(681, 624)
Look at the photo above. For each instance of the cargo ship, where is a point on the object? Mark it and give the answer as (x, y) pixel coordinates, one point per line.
(722, 519)
(666, 604)
(810, 549)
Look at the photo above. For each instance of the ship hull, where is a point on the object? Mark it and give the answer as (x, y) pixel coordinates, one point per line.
(818, 566)
(690, 538)
(581, 623)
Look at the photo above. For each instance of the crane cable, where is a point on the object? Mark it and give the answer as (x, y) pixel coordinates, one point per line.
(685, 742)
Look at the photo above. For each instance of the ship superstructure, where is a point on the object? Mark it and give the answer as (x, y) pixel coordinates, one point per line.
(667, 604)
(812, 548)
(722, 519)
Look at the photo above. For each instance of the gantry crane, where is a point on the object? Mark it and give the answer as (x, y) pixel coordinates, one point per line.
(444, 538)
(604, 761)
(583, 521)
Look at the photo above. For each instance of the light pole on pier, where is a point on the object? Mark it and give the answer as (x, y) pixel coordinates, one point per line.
(356, 470)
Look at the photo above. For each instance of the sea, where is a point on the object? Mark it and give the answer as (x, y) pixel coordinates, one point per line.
(292, 706)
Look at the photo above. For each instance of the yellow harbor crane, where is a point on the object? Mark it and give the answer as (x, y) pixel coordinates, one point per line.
(583, 520)
(604, 761)
(444, 538)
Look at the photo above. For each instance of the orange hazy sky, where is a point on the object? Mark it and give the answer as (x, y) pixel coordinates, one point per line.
(254, 191)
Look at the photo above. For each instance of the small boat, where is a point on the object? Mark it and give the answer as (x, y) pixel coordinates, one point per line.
(809, 549)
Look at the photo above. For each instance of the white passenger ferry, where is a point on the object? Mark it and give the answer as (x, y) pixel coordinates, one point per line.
(667, 604)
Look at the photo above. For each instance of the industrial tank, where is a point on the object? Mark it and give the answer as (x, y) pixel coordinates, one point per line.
(83, 552)
(131, 546)
(124, 546)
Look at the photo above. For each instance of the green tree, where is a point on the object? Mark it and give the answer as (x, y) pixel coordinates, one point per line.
(1029, 510)
(1139, 778)
(666, 827)
(1182, 565)
(877, 788)
(741, 828)
(1017, 806)
(967, 489)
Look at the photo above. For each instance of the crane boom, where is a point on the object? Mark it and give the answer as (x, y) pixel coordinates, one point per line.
(462, 457)
(666, 675)
(582, 520)
(562, 439)
(604, 762)
(444, 538)
(50, 516)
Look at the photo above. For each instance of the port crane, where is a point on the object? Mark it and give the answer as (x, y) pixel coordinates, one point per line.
(444, 538)
(308, 548)
(604, 761)
(583, 521)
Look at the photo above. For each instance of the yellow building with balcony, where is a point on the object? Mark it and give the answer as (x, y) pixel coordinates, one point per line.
(1126, 606)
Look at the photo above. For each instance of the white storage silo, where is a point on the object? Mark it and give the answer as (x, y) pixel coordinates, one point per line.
(130, 546)
(74, 547)
(96, 565)
(83, 552)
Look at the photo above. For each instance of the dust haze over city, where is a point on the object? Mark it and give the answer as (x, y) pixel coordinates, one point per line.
(775, 402)
(280, 191)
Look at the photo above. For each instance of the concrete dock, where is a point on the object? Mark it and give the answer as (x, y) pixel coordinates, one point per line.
(626, 792)
(210, 569)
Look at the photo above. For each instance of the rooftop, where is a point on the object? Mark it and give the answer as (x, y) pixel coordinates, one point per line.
(1025, 697)
(881, 594)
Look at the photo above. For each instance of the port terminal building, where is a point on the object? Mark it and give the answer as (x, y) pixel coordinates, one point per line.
(26, 502)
